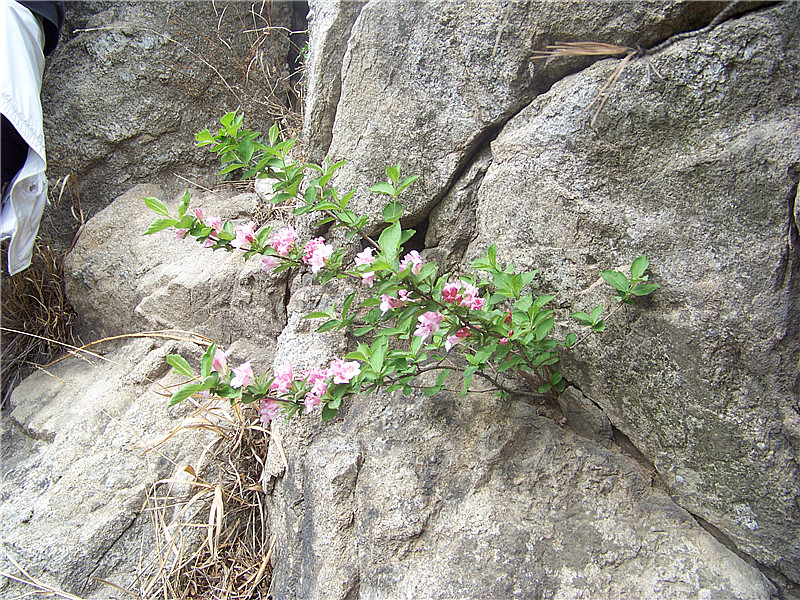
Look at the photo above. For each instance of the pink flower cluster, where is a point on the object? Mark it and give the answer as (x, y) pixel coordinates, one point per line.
(428, 324)
(412, 259)
(388, 303)
(467, 295)
(365, 257)
(316, 383)
(283, 240)
(242, 375)
(457, 338)
(215, 223)
(316, 253)
(245, 236)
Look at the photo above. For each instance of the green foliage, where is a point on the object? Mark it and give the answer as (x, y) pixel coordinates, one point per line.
(414, 320)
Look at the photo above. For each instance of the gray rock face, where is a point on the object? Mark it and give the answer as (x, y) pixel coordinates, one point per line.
(76, 481)
(408, 497)
(427, 83)
(698, 169)
(132, 82)
(120, 281)
(693, 160)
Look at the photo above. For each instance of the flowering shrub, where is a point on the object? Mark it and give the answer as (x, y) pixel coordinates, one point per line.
(485, 324)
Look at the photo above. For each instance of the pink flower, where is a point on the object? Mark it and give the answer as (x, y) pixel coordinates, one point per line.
(283, 240)
(503, 341)
(450, 293)
(268, 263)
(242, 375)
(245, 235)
(457, 338)
(428, 324)
(179, 234)
(387, 302)
(215, 223)
(414, 259)
(365, 257)
(470, 291)
(220, 362)
(317, 379)
(316, 253)
(508, 318)
(268, 410)
(198, 213)
(342, 371)
(471, 298)
(283, 378)
(368, 279)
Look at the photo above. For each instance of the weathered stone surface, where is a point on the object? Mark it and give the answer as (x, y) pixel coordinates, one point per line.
(408, 497)
(427, 83)
(584, 417)
(693, 160)
(75, 476)
(132, 82)
(120, 281)
(333, 21)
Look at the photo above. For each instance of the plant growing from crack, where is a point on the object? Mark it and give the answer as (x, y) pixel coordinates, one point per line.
(414, 320)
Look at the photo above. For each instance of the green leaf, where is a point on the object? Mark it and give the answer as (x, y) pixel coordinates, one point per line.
(431, 391)
(616, 280)
(389, 241)
(378, 353)
(157, 206)
(384, 187)
(393, 173)
(645, 289)
(598, 310)
(207, 360)
(332, 324)
(183, 393)
(246, 149)
(392, 212)
(570, 340)
(427, 270)
(541, 301)
(328, 413)
(544, 388)
(440, 379)
(407, 182)
(274, 132)
(318, 315)
(160, 224)
(638, 267)
(347, 302)
(544, 328)
(179, 364)
(599, 326)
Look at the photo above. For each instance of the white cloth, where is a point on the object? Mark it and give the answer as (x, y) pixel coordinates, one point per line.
(21, 67)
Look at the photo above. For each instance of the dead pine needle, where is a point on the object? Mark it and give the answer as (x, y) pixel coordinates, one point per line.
(582, 49)
(592, 49)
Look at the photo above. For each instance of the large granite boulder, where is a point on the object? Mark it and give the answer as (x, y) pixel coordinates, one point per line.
(79, 491)
(429, 83)
(698, 167)
(692, 160)
(121, 281)
(132, 82)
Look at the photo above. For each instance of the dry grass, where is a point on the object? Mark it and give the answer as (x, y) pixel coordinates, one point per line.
(593, 49)
(213, 542)
(33, 302)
